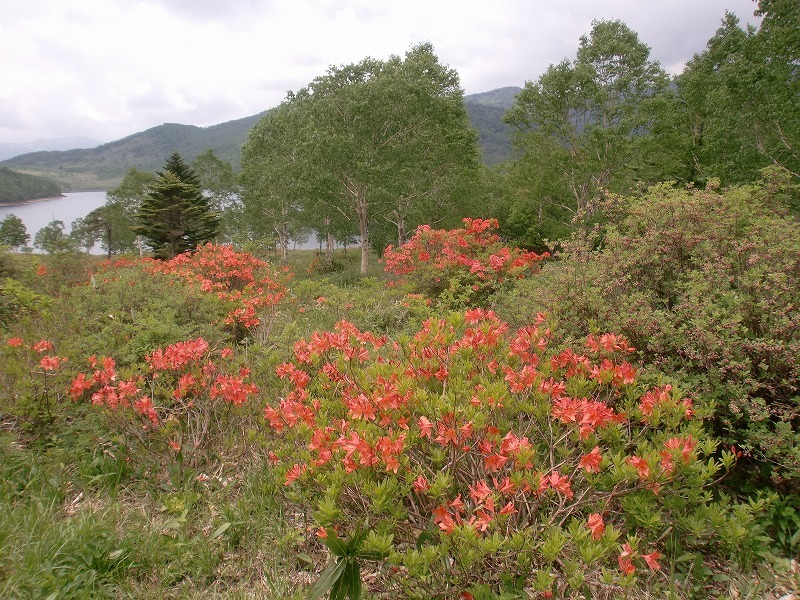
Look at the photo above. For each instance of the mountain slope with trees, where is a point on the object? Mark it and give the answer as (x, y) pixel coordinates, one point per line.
(18, 187)
(104, 167)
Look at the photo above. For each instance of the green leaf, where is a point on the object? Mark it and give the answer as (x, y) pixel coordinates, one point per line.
(220, 530)
(355, 542)
(334, 543)
(685, 557)
(355, 581)
(331, 574)
(342, 587)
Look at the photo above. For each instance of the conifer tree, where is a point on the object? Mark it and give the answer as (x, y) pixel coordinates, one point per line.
(175, 217)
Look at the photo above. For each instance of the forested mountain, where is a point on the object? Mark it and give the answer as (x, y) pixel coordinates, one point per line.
(486, 112)
(15, 187)
(11, 149)
(104, 167)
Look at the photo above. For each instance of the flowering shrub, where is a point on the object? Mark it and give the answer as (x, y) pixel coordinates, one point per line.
(462, 266)
(246, 282)
(176, 403)
(45, 369)
(477, 456)
(704, 284)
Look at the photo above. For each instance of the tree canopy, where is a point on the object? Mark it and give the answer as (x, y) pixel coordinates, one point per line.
(13, 232)
(384, 144)
(583, 125)
(175, 216)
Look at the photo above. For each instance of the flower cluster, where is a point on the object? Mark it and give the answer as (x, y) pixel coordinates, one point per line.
(488, 436)
(183, 384)
(46, 362)
(247, 283)
(469, 263)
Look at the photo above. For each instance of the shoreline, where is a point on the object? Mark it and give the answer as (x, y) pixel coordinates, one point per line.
(35, 200)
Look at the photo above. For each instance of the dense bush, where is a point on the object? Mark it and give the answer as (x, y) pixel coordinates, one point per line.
(459, 267)
(705, 284)
(470, 457)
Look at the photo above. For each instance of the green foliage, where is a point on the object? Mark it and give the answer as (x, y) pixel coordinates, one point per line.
(387, 145)
(16, 300)
(583, 127)
(13, 232)
(16, 186)
(741, 95)
(52, 239)
(175, 216)
(703, 283)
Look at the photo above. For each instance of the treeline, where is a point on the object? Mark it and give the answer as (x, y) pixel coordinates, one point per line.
(369, 151)
(17, 187)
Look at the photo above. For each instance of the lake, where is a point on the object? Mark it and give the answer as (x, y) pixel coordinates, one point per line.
(76, 205)
(71, 206)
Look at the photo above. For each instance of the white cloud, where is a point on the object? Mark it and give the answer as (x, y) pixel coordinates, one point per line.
(109, 68)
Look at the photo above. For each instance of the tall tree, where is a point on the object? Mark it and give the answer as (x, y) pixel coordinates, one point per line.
(376, 141)
(741, 96)
(13, 232)
(52, 239)
(273, 183)
(216, 178)
(221, 186)
(582, 126)
(175, 216)
(120, 210)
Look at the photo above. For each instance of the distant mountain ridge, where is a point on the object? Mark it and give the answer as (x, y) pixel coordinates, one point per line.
(486, 112)
(104, 166)
(12, 149)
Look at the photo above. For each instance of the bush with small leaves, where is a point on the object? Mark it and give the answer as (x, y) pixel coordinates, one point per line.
(475, 455)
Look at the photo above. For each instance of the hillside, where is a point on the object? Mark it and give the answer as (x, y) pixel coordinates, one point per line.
(17, 187)
(104, 166)
(11, 149)
(486, 112)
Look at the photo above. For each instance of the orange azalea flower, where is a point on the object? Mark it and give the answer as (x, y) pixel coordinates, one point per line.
(495, 462)
(591, 461)
(425, 426)
(652, 560)
(595, 523)
(42, 346)
(560, 483)
(294, 473)
(641, 466)
(14, 342)
(420, 484)
(625, 560)
(51, 363)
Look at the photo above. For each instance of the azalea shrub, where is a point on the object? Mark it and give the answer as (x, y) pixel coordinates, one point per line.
(705, 284)
(177, 406)
(33, 379)
(251, 286)
(460, 267)
(471, 458)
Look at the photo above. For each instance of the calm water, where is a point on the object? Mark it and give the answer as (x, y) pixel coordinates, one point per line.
(76, 205)
(71, 206)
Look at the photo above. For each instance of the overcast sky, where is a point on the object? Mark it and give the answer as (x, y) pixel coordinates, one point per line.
(105, 69)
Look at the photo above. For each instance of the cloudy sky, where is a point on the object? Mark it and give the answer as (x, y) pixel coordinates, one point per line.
(105, 69)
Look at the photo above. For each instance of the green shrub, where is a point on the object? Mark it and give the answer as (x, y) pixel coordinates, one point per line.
(468, 455)
(705, 285)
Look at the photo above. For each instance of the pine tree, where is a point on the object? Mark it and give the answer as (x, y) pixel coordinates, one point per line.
(175, 217)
